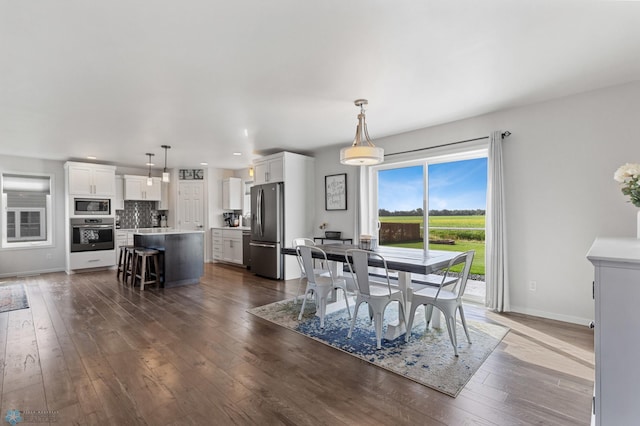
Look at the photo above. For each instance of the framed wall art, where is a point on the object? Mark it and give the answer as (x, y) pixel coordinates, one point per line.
(335, 192)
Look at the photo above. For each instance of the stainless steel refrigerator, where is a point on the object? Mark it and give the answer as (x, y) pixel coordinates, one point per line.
(267, 230)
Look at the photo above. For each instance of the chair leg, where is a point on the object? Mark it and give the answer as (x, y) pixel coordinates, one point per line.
(346, 300)
(377, 320)
(451, 328)
(464, 323)
(304, 303)
(322, 305)
(428, 312)
(143, 272)
(353, 318)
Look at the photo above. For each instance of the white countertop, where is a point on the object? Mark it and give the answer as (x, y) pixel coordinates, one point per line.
(615, 249)
(161, 231)
(239, 228)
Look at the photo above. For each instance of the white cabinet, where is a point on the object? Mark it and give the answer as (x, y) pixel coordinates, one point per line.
(118, 202)
(90, 179)
(92, 259)
(136, 188)
(617, 349)
(216, 244)
(164, 197)
(227, 245)
(269, 169)
(232, 194)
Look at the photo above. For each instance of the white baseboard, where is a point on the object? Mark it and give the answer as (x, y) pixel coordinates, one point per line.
(29, 273)
(551, 315)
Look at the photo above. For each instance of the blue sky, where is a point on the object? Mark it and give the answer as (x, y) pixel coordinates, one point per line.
(458, 185)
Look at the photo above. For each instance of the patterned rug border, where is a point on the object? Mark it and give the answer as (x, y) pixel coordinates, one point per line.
(18, 301)
(490, 330)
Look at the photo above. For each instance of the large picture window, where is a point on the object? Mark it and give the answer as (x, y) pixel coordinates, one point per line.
(435, 203)
(26, 218)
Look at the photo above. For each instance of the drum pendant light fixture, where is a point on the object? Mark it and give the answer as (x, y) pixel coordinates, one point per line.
(149, 180)
(362, 152)
(165, 173)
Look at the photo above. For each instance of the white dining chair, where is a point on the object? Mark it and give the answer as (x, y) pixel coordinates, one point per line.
(303, 275)
(376, 295)
(320, 282)
(448, 301)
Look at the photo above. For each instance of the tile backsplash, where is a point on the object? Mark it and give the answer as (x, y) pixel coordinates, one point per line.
(139, 214)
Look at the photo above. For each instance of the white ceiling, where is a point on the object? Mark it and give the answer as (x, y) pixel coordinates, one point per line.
(116, 79)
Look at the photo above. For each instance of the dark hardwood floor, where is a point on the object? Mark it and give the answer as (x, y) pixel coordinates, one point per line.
(94, 352)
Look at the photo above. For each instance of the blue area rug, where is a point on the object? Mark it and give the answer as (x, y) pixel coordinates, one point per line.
(427, 358)
(12, 297)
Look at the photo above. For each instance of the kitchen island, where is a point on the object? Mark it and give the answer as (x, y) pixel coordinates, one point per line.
(181, 254)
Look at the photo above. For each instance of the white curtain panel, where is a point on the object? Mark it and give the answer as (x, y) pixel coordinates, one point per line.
(496, 269)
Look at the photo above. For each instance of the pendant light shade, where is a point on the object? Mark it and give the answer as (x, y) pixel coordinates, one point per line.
(149, 180)
(362, 152)
(165, 172)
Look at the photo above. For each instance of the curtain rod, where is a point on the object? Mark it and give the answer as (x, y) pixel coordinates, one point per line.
(504, 135)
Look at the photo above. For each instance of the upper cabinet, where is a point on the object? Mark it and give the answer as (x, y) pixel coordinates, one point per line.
(232, 194)
(118, 202)
(136, 188)
(269, 169)
(91, 179)
(164, 197)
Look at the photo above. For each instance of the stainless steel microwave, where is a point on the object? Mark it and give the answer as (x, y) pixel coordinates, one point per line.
(92, 206)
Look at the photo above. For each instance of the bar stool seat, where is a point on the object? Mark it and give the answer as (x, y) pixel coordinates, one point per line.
(146, 267)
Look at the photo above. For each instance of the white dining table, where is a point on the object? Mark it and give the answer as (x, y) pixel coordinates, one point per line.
(403, 261)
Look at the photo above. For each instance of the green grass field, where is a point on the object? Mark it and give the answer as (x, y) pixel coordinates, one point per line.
(464, 240)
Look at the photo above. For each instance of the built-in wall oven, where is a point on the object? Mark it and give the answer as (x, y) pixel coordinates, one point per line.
(92, 234)
(92, 206)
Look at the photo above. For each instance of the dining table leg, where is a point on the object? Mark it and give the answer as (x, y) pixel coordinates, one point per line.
(396, 329)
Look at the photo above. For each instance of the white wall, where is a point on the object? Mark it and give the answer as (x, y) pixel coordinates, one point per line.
(560, 193)
(24, 261)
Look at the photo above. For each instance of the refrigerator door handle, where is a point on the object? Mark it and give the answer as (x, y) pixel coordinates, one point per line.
(261, 210)
(262, 245)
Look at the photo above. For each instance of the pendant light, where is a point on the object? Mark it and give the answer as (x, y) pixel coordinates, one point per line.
(149, 180)
(165, 173)
(362, 152)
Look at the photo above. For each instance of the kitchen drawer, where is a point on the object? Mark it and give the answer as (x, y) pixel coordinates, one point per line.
(216, 233)
(233, 234)
(92, 259)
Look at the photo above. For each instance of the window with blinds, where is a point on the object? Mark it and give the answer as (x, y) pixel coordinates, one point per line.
(26, 215)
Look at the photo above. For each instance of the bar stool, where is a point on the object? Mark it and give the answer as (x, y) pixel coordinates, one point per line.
(142, 267)
(124, 262)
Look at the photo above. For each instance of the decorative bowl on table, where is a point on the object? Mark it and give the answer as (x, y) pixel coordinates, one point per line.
(332, 234)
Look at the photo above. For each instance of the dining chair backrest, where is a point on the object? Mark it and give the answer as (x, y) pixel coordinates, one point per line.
(465, 258)
(358, 262)
(306, 255)
(302, 242)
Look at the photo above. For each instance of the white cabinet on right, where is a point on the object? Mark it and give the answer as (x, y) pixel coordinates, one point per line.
(616, 291)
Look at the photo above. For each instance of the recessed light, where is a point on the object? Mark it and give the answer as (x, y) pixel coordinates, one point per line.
(246, 132)
(204, 164)
(91, 157)
(237, 153)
